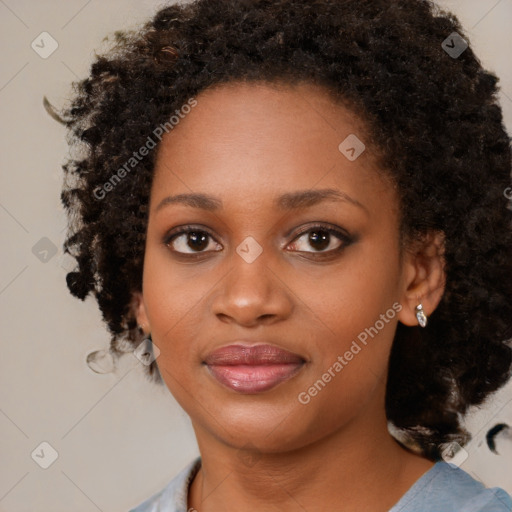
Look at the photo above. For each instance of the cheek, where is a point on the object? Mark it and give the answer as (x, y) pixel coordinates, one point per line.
(355, 314)
(173, 299)
(351, 296)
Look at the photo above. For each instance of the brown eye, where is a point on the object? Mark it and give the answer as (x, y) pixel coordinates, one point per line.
(192, 241)
(320, 240)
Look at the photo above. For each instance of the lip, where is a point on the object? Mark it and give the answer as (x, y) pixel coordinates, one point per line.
(251, 369)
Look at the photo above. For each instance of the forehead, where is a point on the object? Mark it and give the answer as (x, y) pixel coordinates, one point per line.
(254, 111)
(250, 138)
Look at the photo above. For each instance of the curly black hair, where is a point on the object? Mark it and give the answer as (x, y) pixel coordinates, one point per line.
(433, 116)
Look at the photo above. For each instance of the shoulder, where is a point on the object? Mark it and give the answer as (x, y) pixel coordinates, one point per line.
(450, 489)
(173, 497)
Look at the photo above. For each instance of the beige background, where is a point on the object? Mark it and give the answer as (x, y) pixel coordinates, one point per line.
(118, 438)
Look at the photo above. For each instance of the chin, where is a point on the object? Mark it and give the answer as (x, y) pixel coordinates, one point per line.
(268, 427)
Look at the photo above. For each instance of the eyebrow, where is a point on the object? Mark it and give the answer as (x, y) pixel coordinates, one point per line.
(288, 201)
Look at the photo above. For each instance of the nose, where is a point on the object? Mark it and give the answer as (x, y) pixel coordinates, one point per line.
(252, 293)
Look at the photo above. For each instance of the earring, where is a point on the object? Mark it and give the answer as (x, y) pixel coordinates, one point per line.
(420, 315)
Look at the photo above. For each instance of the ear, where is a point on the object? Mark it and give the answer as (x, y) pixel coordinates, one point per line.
(139, 309)
(424, 276)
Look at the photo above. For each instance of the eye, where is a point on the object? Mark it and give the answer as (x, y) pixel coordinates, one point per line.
(192, 240)
(315, 239)
(321, 239)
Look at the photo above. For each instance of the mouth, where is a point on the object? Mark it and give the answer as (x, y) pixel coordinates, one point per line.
(252, 369)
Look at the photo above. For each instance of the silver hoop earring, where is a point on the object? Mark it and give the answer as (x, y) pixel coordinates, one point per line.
(420, 315)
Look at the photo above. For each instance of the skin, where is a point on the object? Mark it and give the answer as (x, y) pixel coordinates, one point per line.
(247, 144)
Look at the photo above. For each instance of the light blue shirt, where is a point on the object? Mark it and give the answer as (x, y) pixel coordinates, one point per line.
(443, 488)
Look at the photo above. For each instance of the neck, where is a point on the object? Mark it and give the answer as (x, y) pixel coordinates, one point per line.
(358, 467)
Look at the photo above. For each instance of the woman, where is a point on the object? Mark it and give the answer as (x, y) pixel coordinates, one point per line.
(302, 206)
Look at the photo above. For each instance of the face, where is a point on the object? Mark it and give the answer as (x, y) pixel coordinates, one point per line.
(273, 300)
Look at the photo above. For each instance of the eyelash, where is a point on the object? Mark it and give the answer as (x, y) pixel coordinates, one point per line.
(342, 236)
